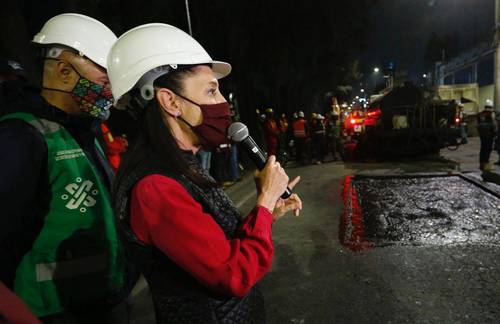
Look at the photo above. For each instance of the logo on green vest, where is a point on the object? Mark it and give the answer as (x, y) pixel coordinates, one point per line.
(80, 195)
(69, 154)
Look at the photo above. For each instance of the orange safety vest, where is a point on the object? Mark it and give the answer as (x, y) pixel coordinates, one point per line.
(299, 128)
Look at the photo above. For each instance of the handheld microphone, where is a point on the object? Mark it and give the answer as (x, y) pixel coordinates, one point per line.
(238, 133)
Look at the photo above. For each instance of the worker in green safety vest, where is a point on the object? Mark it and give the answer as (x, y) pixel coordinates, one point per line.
(59, 249)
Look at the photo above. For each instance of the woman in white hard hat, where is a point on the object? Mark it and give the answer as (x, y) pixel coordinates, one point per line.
(201, 260)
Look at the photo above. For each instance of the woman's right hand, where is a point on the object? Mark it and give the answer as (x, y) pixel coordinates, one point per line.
(271, 183)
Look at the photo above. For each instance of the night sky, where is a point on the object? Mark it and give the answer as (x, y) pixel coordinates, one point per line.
(401, 29)
(395, 30)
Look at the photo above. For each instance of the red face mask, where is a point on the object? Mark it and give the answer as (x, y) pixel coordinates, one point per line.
(212, 132)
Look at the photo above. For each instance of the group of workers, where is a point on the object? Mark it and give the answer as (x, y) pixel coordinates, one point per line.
(306, 139)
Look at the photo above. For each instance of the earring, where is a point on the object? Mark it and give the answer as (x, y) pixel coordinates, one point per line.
(177, 114)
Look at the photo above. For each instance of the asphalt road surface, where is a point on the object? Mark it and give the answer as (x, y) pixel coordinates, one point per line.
(316, 279)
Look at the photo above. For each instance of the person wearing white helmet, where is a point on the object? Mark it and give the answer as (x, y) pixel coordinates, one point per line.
(487, 128)
(60, 251)
(319, 138)
(201, 260)
(300, 129)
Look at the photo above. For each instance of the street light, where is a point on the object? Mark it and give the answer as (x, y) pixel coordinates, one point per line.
(376, 70)
(424, 76)
(362, 90)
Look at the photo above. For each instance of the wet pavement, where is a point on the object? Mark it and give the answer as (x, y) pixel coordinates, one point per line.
(317, 279)
(424, 210)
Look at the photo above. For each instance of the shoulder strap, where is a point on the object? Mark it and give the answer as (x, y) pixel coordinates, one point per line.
(42, 125)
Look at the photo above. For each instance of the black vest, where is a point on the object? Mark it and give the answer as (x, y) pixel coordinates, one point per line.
(177, 296)
(485, 124)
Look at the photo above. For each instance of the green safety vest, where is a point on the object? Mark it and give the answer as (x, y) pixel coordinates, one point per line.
(334, 129)
(76, 258)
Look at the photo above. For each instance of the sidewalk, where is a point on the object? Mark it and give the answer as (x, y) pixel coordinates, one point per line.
(467, 159)
(467, 156)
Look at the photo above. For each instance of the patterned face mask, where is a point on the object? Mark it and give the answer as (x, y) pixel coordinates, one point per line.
(94, 99)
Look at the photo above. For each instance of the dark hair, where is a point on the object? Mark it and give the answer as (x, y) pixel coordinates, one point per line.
(155, 144)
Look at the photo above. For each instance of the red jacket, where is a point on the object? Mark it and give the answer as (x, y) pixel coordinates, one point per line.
(13, 310)
(165, 215)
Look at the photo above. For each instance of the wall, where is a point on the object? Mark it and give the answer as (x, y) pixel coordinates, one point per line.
(485, 92)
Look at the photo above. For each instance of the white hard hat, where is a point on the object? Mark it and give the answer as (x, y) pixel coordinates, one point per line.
(488, 103)
(86, 35)
(301, 114)
(154, 48)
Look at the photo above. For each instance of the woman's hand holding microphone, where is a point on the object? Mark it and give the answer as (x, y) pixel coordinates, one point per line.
(271, 182)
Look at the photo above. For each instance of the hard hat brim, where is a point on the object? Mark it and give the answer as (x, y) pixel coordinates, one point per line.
(221, 69)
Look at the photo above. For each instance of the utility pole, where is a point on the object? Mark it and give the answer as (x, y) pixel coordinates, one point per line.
(497, 57)
(189, 18)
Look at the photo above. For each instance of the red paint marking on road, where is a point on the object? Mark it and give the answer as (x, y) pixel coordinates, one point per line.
(352, 230)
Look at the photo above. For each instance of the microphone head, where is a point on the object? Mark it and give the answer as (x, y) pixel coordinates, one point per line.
(237, 132)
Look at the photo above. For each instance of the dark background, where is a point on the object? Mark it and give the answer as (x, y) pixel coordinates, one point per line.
(286, 54)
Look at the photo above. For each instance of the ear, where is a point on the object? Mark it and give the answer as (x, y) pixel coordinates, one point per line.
(64, 72)
(168, 101)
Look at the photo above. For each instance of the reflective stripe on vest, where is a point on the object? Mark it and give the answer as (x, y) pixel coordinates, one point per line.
(299, 129)
(69, 269)
(75, 259)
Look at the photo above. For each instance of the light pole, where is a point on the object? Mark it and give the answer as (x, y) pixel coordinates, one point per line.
(373, 77)
(188, 18)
